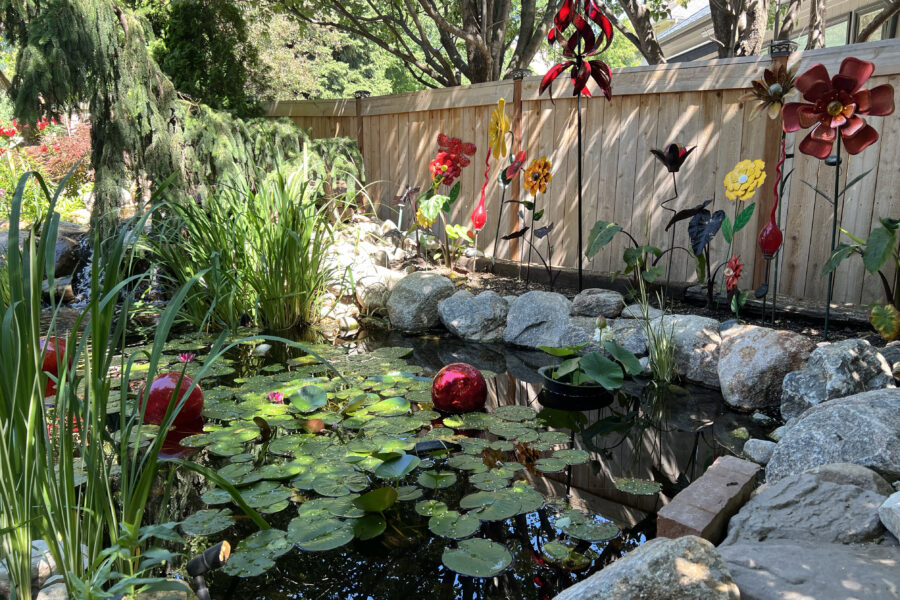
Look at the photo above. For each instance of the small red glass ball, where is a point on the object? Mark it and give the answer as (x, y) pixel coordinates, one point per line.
(458, 388)
(770, 238)
(162, 391)
(172, 448)
(55, 349)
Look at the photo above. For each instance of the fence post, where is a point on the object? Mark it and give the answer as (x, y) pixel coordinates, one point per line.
(514, 187)
(360, 133)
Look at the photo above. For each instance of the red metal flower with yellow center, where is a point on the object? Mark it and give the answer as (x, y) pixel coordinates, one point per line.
(579, 46)
(836, 105)
(733, 273)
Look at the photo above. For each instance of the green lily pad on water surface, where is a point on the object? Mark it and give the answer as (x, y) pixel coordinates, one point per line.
(477, 558)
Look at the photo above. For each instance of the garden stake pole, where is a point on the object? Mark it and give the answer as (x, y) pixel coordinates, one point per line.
(580, 246)
(672, 239)
(837, 182)
(499, 219)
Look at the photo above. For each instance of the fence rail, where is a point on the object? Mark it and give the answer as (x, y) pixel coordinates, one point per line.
(695, 104)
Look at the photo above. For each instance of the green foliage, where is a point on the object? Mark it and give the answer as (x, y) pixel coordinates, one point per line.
(886, 321)
(205, 51)
(594, 367)
(262, 245)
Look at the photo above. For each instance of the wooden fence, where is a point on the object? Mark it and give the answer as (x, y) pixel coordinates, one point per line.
(695, 104)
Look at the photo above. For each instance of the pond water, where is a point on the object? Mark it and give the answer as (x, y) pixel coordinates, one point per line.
(391, 501)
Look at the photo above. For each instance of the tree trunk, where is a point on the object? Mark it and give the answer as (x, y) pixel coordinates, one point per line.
(641, 21)
(752, 28)
(789, 23)
(739, 26)
(816, 25)
(880, 19)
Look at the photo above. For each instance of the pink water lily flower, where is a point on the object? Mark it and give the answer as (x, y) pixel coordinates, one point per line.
(186, 357)
(276, 397)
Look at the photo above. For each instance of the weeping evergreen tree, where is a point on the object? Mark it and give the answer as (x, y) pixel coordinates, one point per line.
(73, 53)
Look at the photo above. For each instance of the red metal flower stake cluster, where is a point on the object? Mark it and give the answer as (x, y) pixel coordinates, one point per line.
(578, 47)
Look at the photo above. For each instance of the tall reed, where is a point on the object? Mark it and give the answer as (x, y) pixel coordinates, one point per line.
(263, 246)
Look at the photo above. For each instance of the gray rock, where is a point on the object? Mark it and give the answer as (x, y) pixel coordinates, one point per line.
(43, 566)
(891, 352)
(850, 474)
(57, 591)
(889, 513)
(581, 331)
(788, 570)
(696, 342)
(372, 294)
(778, 433)
(835, 371)
(480, 318)
(808, 507)
(538, 319)
(753, 362)
(634, 311)
(597, 302)
(863, 429)
(759, 451)
(380, 258)
(629, 334)
(510, 298)
(62, 289)
(413, 304)
(686, 568)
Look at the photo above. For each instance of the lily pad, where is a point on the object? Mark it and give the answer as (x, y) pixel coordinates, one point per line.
(477, 558)
(514, 413)
(584, 527)
(430, 508)
(377, 500)
(436, 480)
(565, 556)
(550, 465)
(248, 564)
(453, 525)
(638, 487)
(491, 506)
(309, 398)
(207, 522)
(398, 467)
(572, 456)
(406, 493)
(319, 535)
(369, 526)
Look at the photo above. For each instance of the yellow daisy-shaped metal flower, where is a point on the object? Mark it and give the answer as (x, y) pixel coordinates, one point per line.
(743, 181)
(497, 129)
(423, 221)
(537, 176)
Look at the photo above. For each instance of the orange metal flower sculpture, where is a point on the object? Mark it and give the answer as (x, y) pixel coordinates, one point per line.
(835, 105)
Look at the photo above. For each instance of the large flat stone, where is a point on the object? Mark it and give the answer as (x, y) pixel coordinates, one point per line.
(789, 570)
(687, 568)
(538, 318)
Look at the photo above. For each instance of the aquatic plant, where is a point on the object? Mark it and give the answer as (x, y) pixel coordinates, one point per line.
(595, 367)
(261, 246)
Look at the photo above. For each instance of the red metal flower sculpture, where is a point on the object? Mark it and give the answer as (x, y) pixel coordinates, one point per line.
(835, 105)
(733, 273)
(450, 161)
(579, 46)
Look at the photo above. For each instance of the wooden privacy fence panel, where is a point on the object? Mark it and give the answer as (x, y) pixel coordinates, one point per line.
(695, 104)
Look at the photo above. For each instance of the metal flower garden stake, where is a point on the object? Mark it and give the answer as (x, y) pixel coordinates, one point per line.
(834, 105)
(577, 48)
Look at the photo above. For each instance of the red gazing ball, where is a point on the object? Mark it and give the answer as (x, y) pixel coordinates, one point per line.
(172, 448)
(770, 239)
(55, 349)
(458, 388)
(162, 391)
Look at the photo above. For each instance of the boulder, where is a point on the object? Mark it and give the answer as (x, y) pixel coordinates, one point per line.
(480, 318)
(685, 568)
(889, 513)
(634, 311)
(413, 303)
(808, 507)
(891, 352)
(795, 570)
(538, 318)
(629, 334)
(863, 429)
(834, 371)
(759, 451)
(43, 565)
(70, 245)
(57, 591)
(696, 342)
(850, 474)
(753, 362)
(597, 302)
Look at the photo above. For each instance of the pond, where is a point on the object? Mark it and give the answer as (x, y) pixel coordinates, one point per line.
(372, 494)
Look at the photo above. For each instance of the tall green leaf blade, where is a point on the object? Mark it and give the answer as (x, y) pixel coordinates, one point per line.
(601, 234)
(744, 217)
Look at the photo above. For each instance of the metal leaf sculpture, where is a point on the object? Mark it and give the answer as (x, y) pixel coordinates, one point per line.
(703, 227)
(579, 46)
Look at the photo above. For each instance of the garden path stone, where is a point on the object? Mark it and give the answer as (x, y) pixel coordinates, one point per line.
(753, 362)
(782, 570)
(697, 342)
(634, 311)
(863, 429)
(597, 302)
(834, 371)
(889, 513)
(759, 451)
(413, 303)
(538, 318)
(809, 506)
(686, 568)
(480, 318)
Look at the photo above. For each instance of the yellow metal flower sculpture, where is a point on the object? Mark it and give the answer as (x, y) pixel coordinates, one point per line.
(497, 130)
(537, 176)
(743, 181)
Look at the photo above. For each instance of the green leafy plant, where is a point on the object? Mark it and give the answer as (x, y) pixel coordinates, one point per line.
(640, 259)
(594, 367)
(660, 340)
(881, 249)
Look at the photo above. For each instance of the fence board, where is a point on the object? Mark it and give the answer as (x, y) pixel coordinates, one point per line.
(689, 103)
